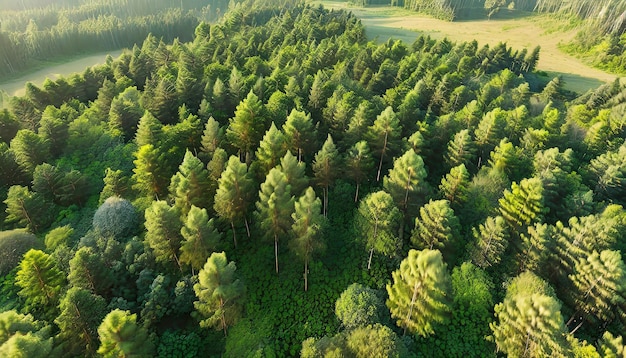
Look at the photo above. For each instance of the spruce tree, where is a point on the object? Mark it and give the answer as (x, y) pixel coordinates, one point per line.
(81, 314)
(406, 182)
(359, 163)
(461, 149)
(437, 228)
(299, 133)
(326, 168)
(490, 242)
(40, 280)
(295, 173)
(246, 127)
(212, 137)
(190, 185)
(200, 238)
(163, 232)
(455, 185)
(271, 149)
(384, 134)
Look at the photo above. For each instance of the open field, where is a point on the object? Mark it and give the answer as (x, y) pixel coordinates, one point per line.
(15, 87)
(519, 32)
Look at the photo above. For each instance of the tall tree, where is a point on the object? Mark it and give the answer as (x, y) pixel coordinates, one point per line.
(271, 148)
(246, 127)
(420, 291)
(274, 208)
(406, 182)
(200, 238)
(383, 136)
(377, 220)
(299, 133)
(163, 232)
(455, 185)
(189, 186)
(125, 113)
(326, 168)
(523, 204)
(212, 137)
(81, 313)
(359, 162)
(461, 149)
(308, 222)
(88, 270)
(437, 228)
(121, 336)
(295, 173)
(149, 173)
(28, 209)
(233, 194)
(490, 242)
(40, 280)
(529, 321)
(30, 149)
(219, 293)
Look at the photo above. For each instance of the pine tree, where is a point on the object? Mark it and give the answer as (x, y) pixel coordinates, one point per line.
(299, 133)
(212, 137)
(219, 293)
(529, 321)
(30, 149)
(461, 149)
(611, 346)
(295, 173)
(534, 248)
(163, 232)
(384, 134)
(377, 221)
(28, 209)
(406, 182)
(233, 194)
(306, 229)
(190, 185)
(150, 172)
(200, 238)
(326, 168)
(89, 271)
(149, 130)
(125, 113)
(420, 291)
(121, 336)
(81, 313)
(271, 148)
(245, 128)
(40, 280)
(359, 163)
(455, 185)
(437, 228)
(491, 240)
(274, 208)
(115, 184)
(523, 204)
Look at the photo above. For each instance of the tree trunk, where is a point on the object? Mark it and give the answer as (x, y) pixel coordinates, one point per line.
(408, 316)
(276, 251)
(232, 225)
(356, 195)
(369, 262)
(306, 275)
(245, 220)
(382, 155)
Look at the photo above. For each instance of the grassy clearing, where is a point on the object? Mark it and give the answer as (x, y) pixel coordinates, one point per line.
(518, 30)
(15, 87)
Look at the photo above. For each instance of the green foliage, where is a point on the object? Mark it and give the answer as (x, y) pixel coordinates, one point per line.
(271, 148)
(121, 336)
(406, 182)
(246, 127)
(40, 280)
(491, 241)
(89, 271)
(200, 238)
(419, 294)
(81, 314)
(219, 293)
(116, 217)
(13, 245)
(28, 209)
(325, 168)
(59, 236)
(163, 232)
(437, 228)
(359, 306)
(189, 185)
(179, 344)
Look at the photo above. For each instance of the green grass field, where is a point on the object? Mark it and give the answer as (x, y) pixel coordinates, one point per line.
(519, 30)
(15, 86)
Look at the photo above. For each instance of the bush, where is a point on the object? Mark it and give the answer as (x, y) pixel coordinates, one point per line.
(13, 245)
(116, 217)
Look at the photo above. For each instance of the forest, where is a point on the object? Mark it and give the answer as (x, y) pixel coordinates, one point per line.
(280, 186)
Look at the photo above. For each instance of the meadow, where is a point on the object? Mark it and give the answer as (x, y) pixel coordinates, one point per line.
(519, 30)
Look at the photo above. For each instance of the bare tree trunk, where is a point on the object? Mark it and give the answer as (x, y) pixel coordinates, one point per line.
(356, 195)
(382, 155)
(232, 225)
(369, 262)
(245, 220)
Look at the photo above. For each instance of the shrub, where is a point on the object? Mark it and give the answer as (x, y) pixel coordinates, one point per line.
(13, 245)
(116, 217)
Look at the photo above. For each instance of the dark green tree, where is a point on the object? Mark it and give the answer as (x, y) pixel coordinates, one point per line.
(28, 209)
(383, 136)
(326, 168)
(246, 127)
(200, 238)
(81, 314)
(299, 133)
(163, 232)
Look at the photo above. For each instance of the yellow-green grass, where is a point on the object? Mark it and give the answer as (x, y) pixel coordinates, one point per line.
(15, 86)
(518, 30)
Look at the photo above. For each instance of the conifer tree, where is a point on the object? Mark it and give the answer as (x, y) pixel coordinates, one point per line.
(274, 208)
(611, 346)
(30, 149)
(246, 127)
(461, 149)
(212, 137)
(383, 135)
(219, 293)
(437, 227)
(419, 292)
(163, 232)
(534, 248)
(529, 321)
(491, 240)
(149, 130)
(377, 220)
(306, 229)
(88, 271)
(28, 209)
(200, 238)
(326, 168)
(406, 182)
(299, 133)
(271, 148)
(233, 194)
(294, 171)
(40, 280)
(115, 184)
(523, 204)
(359, 163)
(125, 113)
(81, 314)
(121, 336)
(455, 185)
(190, 185)
(149, 173)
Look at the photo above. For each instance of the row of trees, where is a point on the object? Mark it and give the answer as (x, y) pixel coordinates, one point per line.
(487, 197)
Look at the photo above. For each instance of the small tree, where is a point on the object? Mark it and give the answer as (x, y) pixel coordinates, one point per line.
(116, 217)
(359, 306)
(40, 280)
(121, 336)
(219, 293)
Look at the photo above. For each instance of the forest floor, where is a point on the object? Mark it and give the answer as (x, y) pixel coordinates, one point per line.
(522, 30)
(53, 71)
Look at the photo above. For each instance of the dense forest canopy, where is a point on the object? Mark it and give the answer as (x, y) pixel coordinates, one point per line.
(279, 186)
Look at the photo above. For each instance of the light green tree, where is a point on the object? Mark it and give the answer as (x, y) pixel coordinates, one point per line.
(219, 293)
(308, 222)
(326, 168)
(359, 162)
(190, 185)
(40, 280)
(406, 182)
(200, 238)
(246, 127)
(490, 242)
(455, 185)
(163, 232)
(295, 173)
(234, 192)
(523, 204)
(271, 148)
(377, 221)
(212, 137)
(274, 208)
(121, 336)
(437, 227)
(384, 134)
(461, 149)
(359, 306)
(299, 133)
(419, 292)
